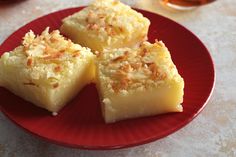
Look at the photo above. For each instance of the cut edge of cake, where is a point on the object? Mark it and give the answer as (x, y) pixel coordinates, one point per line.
(122, 99)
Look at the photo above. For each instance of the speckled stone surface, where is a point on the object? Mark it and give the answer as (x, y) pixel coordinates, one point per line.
(212, 133)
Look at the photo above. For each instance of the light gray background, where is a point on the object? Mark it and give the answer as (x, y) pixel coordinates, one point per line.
(212, 133)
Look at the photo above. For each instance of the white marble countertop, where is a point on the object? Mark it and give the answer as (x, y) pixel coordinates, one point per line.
(212, 133)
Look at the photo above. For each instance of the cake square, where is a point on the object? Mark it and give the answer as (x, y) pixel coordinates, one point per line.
(137, 82)
(106, 24)
(47, 70)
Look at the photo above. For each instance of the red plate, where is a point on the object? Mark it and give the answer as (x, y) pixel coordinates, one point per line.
(80, 123)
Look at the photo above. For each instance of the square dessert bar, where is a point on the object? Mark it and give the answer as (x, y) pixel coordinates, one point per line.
(106, 24)
(47, 70)
(137, 82)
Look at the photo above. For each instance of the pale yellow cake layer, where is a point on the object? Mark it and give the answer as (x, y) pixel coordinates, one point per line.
(47, 70)
(138, 82)
(106, 24)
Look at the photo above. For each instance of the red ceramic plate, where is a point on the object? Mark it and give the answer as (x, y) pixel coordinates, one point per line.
(80, 123)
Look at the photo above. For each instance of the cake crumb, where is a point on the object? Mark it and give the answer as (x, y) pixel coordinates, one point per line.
(106, 101)
(54, 113)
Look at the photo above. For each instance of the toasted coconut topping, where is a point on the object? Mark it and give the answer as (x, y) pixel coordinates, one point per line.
(154, 69)
(53, 55)
(93, 26)
(122, 85)
(53, 39)
(110, 30)
(109, 21)
(55, 85)
(47, 58)
(29, 62)
(122, 57)
(143, 52)
(57, 68)
(126, 68)
(136, 66)
(136, 69)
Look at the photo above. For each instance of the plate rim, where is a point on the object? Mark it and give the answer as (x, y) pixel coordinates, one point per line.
(137, 143)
